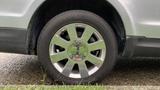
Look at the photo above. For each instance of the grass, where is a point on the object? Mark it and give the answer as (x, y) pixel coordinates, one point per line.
(78, 87)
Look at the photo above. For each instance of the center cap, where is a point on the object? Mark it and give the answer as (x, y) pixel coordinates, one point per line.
(77, 51)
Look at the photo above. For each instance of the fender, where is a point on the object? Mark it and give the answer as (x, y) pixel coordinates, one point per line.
(21, 14)
(117, 4)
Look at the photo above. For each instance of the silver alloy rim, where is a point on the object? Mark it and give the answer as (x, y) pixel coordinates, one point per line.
(77, 50)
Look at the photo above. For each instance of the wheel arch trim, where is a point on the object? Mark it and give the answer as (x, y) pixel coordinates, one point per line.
(125, 15)
(120, 7)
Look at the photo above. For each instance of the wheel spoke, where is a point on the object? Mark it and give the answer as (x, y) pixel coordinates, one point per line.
(88, 32)
(94, 60)
(71, 29)
(83, 69)
(59, 56)
(97, 45)
(57, 40)
(68, 68)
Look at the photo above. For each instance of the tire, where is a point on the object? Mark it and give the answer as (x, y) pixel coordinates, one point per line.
(84, 18)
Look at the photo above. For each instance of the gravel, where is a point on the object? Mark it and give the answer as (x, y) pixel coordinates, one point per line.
(16, 69)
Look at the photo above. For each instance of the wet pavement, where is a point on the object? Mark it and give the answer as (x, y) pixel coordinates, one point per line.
(16, 69)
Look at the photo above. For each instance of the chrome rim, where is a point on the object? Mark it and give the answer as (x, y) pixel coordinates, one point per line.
(77, 50)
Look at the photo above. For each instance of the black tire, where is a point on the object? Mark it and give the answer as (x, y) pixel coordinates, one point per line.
(77, 16)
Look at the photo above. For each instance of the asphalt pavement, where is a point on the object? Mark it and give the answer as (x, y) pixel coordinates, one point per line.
(16, 69)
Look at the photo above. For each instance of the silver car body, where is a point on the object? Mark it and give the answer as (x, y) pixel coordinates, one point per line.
(140, 17)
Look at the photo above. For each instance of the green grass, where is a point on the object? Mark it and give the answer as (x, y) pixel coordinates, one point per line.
(79, 87)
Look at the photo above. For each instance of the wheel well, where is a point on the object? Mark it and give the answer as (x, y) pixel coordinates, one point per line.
(51, 8)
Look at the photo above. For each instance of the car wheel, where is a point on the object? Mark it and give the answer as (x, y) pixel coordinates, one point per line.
(77, 47)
